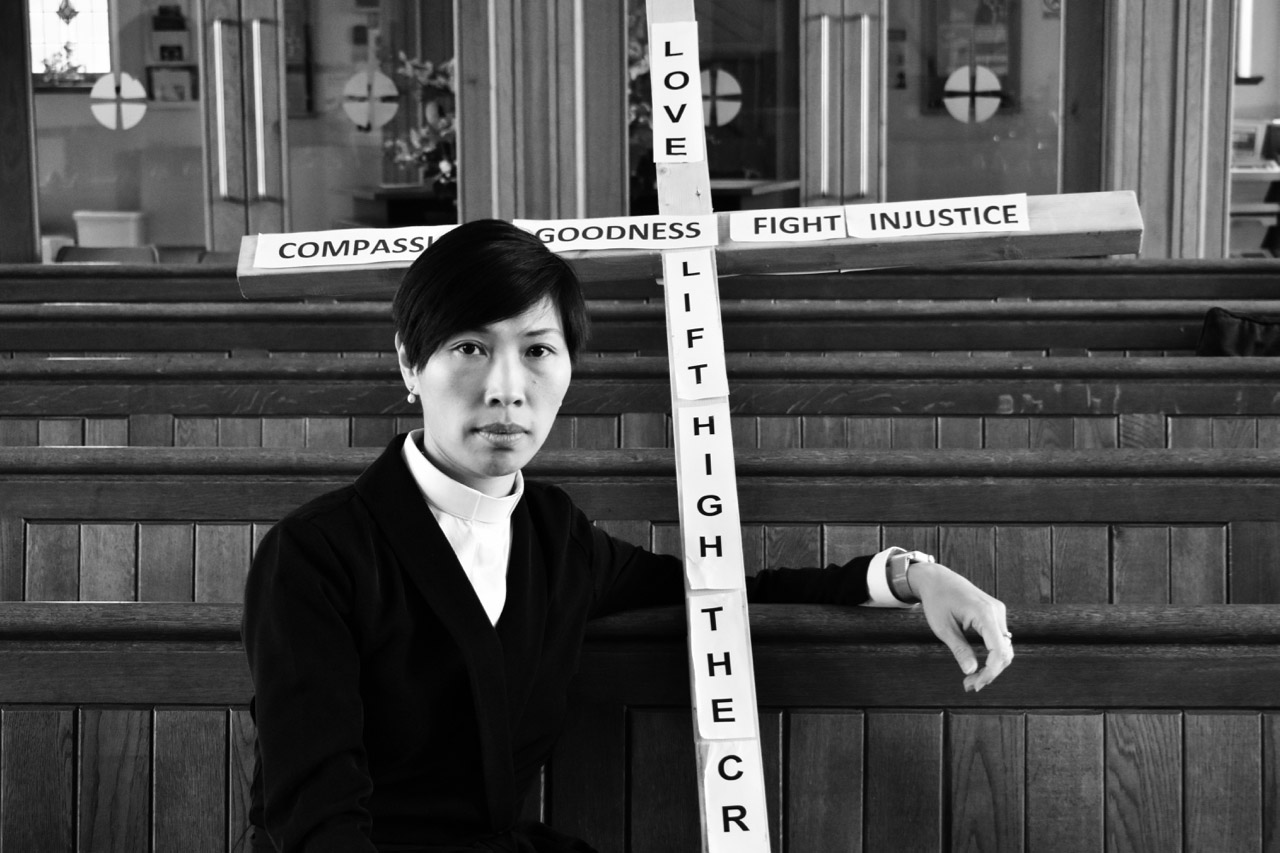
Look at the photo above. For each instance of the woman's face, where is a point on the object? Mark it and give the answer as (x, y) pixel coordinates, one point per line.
(490, 395)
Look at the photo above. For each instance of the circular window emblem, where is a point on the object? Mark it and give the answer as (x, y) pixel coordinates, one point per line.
(972, 93)
(118, 106)
(370, 102)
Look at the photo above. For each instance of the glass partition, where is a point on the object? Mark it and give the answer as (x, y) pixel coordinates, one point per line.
(235, 117)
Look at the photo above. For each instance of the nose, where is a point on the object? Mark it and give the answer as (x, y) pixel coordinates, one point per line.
(506, 381)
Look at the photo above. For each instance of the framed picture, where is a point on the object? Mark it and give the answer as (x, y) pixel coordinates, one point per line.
(972, 55)
(171, 46)
(172, 83)
(1247, 141)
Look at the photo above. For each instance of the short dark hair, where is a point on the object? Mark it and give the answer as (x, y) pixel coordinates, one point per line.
(479, 273)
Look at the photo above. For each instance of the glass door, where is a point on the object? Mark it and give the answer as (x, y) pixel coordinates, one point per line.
(751, 104)
(819, 102)
(972, 98)
(169, 131)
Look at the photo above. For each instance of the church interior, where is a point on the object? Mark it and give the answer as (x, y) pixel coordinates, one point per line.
(1080, 417)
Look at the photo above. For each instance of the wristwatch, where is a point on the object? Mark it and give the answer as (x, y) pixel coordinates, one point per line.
(896, 568)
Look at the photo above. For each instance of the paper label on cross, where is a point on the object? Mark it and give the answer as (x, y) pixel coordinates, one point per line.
(730, 778)
(676, 80)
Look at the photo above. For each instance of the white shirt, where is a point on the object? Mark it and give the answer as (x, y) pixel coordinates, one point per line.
(476, 525)
(478, 528)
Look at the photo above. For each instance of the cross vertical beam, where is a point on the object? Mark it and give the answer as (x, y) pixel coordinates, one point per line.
(726, 729)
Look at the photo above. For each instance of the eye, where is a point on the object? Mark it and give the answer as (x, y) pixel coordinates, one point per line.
(540, 351)
(468, 348)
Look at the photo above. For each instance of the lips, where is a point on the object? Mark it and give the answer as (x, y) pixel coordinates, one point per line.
(503, 429)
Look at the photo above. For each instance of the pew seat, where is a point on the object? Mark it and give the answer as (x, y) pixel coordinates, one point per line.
(125, 725)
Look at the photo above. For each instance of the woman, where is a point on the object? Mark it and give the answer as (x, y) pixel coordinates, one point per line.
(412, 636)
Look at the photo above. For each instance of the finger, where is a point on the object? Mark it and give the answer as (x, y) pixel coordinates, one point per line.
(999, 643)
(949, 632)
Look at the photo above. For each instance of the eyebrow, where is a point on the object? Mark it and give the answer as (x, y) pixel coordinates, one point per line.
(549, 330)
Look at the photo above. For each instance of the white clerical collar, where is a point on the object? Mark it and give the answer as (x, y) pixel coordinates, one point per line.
(448, 495)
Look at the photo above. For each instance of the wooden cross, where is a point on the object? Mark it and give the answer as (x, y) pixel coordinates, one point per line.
(730, 769)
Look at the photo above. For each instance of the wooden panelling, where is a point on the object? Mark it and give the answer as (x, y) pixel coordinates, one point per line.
(151, 430)
(106, 432)
(840, 540)
(960, 433)
(1271, 782)
(37, 779)
(987, 760)
(904, 781)
(970, 551)
(792, 545)
(1081, 564)
(61, 432)
(287, 432)
(190, 778)
(1142, 430)
(239, 432)
(108, 562)
(1197, 565)
(868, 740)
(19, 432)
(782, 326)
(1222, 281)
(1064, 775)
(832, 400)
(1141, 570)
(52, 562)
(166, 562)
(222, 561)
(115, 779)
(1124, 526)
(195, 432)
(1144, 794)
(328, 432)
(241, 759)
(1252, 575)
(1024, 561)
(1223, 797)
(664, 796)
(824, 793)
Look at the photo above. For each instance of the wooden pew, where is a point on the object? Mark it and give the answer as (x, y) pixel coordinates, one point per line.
(1120, 526)
(1218, 280)
(846, 324)
(622, 401)
(1117, 727)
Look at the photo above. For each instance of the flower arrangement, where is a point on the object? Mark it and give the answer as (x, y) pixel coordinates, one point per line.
(430, 143)
(60, 69)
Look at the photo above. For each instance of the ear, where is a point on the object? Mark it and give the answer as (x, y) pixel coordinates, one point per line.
(406, 370)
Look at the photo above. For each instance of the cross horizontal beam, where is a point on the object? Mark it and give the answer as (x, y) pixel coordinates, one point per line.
(1072, 225)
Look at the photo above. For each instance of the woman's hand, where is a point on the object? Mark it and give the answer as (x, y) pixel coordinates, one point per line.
(952, 604)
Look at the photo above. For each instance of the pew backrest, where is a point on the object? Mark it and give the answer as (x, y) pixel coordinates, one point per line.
(622, 401)
(1123, 526)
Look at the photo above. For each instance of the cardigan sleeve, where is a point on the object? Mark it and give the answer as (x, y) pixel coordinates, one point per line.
(307, 705)
(629, 577)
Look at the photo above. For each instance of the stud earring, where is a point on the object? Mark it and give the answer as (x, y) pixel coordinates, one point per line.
(413, 397)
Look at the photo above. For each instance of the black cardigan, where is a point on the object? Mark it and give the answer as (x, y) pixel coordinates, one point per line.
(389, 711)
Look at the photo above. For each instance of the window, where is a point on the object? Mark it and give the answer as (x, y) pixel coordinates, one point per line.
(70, 40)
